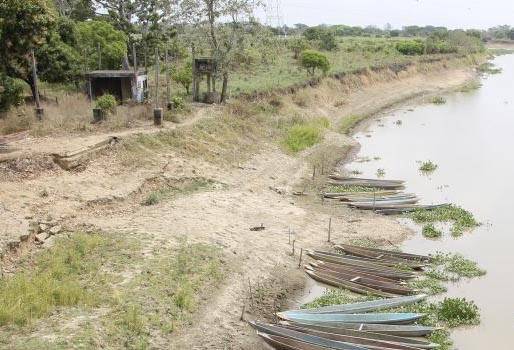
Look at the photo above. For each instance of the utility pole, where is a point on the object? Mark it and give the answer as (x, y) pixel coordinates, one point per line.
(157, 112)
(39, 110)
(168, 87)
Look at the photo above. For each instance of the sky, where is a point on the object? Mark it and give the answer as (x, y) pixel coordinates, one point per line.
(449, 13)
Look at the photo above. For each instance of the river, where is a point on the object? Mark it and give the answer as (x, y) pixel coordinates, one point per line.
(471, 139)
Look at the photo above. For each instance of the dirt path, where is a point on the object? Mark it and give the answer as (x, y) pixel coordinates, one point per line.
(258, 192)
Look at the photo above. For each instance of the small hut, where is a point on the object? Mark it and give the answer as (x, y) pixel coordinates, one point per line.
(125, 85)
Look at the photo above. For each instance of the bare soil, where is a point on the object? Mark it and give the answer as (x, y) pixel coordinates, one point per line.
(259, 191)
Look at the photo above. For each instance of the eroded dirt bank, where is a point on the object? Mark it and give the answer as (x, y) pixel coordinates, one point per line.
(253, 182)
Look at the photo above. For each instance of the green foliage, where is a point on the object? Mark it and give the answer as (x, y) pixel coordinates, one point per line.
(178, 102)
(411, 47)
(184, 76)
(438, 100)
(460, 219)
(349, 122)
(328, 40)
(380, 172)
(456, 312)
(428, 167)
(106, 103)
(112, 42)
(489, 68)
(302, 136)
(430, 231)
(11, 92)
(24, 25)
(456, 266)
(312, 60)
(297, 45)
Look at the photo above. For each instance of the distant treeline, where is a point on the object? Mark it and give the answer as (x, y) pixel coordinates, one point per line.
(504, 32)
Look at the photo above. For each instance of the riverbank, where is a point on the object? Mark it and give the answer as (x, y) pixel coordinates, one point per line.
(251, 180)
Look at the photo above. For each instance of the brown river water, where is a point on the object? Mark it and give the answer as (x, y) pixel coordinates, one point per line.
(471, 139)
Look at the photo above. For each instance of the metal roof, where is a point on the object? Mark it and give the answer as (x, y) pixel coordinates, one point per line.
(113, 73)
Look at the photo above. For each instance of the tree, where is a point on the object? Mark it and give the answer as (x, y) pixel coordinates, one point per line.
(328, 40)
(312, 60)
(112, 43)
(120, 13)
(11, 92)
(24, 26)
(79, 10)
(297, 45)
(184, 76)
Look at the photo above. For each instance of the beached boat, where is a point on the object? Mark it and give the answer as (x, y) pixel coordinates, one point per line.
(364, 306)
(393, 288)
(381, 203)
(408, 209)
(358, 179)
(387, 261)
(283, 343)
(378, 253)
(396, 330)
(390, 274)
(354, 287)
(373, 318)
(377, 185)
(408, 341)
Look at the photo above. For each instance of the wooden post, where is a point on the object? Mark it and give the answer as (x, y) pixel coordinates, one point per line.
(294, 240)
(300, 262)
(195, 87)
(243, 312)
(99, 56)
(134, 58)
(39, 110)
(329, 228)
(314, 172)
(374, 199)
(290, 235)
(157, 112)
(250, 288)
(168, 87)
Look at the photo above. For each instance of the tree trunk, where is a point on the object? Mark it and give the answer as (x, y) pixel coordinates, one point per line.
(224, 88)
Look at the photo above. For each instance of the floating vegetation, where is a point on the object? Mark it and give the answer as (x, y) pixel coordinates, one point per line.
(348, 188)
(460, 219)
(430, 231)
(452, 267)
(376, 158)
(398, 122)
(380, 172)
(356, 172)
(489, 68)
(471, 86)
(427, 167)
(438, 100)
(456, 312)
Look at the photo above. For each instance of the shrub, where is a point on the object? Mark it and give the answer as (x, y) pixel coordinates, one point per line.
(298, 45)
(178, 102)
(184, 76)
(106, 103)
(303, 136)
(438, 100)
(11, 92)
(312, 60)
(328, 41)
(411, 47)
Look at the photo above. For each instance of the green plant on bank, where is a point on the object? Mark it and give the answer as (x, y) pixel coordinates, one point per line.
(489, 68)
(460, 219)
(348, 189)
(471, 86)
(167, 192)
(178, 103)
(313, 60)
(349, 122)
(430, 231)
(106, 103)
(305, 135)
(438, 100)
(427, 167)
(411, 47)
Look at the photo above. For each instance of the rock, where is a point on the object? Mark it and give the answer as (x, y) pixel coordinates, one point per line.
(55, 229)
(40, 237)
(24, 238)
(43, 227)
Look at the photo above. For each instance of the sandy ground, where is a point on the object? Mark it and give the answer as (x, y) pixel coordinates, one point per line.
(257, 192)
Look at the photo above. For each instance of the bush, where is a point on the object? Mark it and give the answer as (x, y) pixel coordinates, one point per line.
(106, 103)
(312, 60)
(303, 136)
(411, 47)
(184, 76)
(328, 41)
(11, 92)
(178, 102)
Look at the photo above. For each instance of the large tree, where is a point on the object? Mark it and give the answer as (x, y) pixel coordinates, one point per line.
(25, 25)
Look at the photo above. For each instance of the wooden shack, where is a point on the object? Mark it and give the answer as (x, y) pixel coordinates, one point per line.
(125, 85)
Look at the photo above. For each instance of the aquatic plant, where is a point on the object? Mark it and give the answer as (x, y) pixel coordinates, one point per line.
(430, 231)
(456, 312)
(438, 100)
(489, 68)
(457, 265)
(380, 172)
(460, 219)
(428, 166)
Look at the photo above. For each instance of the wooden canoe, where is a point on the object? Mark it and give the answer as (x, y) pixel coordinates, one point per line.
(352, 330)
(366, 281)
(408, 209)
(362, 307)
(358, 179)
(339, 268)
(381, 186)
(375, 252)
(387, 261)
(388, 274)
(373, 318)
(353, 287)
(381, 203)
(357, 338)
(283, 343)
(396, 330)
(302, 337)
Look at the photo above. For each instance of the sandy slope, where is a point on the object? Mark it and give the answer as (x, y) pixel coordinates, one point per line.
(250, 196)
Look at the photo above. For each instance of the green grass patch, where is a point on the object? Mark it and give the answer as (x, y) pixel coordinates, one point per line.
(438, 100)
(70, 274)
(349, 122)
(460, 219)
(168, 191)
(489, 68)
(471, 86)
(302, 136)
(427, 167)
(430, 231)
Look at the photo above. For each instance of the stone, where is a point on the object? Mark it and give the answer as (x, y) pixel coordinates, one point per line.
(40, 237)
(55, 229)
(24, 238)
(43, 227)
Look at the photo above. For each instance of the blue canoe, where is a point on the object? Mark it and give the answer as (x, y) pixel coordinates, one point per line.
(361, 307)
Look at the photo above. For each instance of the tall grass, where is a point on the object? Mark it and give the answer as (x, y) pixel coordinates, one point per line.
(302, 136)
